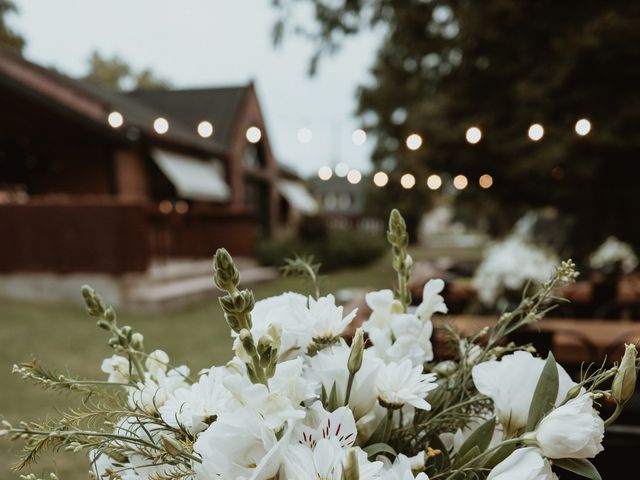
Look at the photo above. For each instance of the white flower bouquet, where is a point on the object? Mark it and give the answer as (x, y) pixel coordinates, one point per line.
(613, 255)
(298, 402)
(508, 266)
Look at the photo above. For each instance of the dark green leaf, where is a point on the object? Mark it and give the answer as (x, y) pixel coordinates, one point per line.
(378, 448)
(480, 438)
(580, 466)
(463, 459)
(544, 397)
(499, 455)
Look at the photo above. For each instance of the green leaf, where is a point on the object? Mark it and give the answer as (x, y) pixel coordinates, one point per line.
(580, 466)
(463, 459)
(499, 455)
(480, 438)
(377, 448)
(544, 397)
(333, 404)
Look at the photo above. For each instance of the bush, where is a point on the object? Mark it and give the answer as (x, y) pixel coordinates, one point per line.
(338, 249)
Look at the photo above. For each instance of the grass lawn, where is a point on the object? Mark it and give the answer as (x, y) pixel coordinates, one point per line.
(64, 337)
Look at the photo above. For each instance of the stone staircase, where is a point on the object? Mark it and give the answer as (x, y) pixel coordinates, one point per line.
(175, 283)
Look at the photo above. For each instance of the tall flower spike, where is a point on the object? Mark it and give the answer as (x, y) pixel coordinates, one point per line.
(226, 274)
(402, 261)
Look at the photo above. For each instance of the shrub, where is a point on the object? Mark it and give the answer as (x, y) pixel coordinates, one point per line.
(338, 249)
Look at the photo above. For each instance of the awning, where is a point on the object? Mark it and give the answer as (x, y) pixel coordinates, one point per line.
(193, 178)
(298, 196)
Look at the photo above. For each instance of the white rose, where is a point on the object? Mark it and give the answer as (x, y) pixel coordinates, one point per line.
(523, 464)
(574, 430)
(511, 382)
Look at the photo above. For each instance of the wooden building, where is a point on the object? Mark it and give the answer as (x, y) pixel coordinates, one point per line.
(93, 180)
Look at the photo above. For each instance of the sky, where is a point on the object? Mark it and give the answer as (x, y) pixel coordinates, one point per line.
(200, 43)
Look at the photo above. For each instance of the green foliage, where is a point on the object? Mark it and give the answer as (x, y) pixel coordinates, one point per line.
(446, 65)
(115, 73)
(340, 249)
(581, 466)
(9, 37)
(544, 396)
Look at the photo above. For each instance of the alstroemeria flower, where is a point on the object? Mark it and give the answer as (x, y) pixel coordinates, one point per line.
(511, 382)
(400, 383)
(573, 430)
(523, 464)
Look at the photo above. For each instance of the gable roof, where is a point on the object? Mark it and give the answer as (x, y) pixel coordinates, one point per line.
(94, 103)
(191, 106)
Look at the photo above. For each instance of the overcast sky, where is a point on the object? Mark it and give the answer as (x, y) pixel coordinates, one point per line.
(197, 43)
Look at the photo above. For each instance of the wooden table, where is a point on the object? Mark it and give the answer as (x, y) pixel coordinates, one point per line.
(574, 341)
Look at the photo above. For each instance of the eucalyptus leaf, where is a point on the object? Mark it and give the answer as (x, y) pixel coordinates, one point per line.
(480, 438)
(580, 466)
(546, 392)
(499, 455)
(378, 448)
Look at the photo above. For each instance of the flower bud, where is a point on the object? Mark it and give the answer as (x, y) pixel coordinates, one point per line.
(624, 383)
(446, 368)
(137, 341)
(110, 314)
(357, 350)
(247, 343)
(226, 274)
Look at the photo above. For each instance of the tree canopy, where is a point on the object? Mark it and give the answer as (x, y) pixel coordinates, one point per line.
(500, 65)
(114, 72)
(9, 37)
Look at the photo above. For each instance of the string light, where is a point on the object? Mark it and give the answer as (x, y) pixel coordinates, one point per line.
(165, 206)
(115, 119)
(161, 125)
(380, 179)
(181, 207)
(583, 127)
(407, 181)
(341, 169)
(325, 173)
(473, 135)
(254, 134)
(414, 141)
(460, 182)
(536, 132)
(205, 129)
(434, 182)
(485, 181)
(305, 135)
(354, 176)
(359, 136)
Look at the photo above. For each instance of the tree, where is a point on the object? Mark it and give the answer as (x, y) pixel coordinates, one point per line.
(116, 73)
(446, 65)
(8, 37)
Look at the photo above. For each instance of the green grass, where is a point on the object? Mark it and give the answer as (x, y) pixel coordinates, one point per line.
(63, 337)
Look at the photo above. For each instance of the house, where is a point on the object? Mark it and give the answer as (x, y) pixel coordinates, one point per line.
(93, 180)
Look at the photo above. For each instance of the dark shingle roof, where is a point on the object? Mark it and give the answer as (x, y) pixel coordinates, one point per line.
(217, 105)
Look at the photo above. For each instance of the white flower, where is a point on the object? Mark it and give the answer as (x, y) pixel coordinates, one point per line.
(573, 430)
(400, 383)
(511, 382)
(117, 367)
(614, 251)
(151, 395)
(509, 265)
(325, 461)
(325, 317)
(240, 446)
(156, 362)
(329, 367)
(319, 424)
(280, 401)
(195, 406)
(432, 301)
(401, 469)
(523, 464)
(287, 313)
(396, 335)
